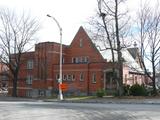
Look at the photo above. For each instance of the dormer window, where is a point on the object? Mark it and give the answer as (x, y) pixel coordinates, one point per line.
(80, 43)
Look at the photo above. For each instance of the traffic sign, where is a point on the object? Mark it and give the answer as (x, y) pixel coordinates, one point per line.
(63, 86)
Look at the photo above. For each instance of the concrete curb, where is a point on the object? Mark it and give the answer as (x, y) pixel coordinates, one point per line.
(105, 102)
(155, 101)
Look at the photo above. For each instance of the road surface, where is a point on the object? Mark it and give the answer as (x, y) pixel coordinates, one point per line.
(77, 111)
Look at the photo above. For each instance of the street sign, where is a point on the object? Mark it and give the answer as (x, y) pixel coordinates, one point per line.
(63, 86)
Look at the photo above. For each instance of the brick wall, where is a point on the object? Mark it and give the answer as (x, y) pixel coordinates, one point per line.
(83, 68)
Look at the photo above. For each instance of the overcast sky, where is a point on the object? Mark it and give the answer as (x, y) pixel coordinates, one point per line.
(71, 14)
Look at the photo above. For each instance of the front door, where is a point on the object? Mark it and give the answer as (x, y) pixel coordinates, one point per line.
(110, 81)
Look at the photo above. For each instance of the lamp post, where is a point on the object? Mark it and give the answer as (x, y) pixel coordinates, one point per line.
(60, 60)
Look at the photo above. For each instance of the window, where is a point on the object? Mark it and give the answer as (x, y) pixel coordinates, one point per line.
(63, 60)
(57, 77)
(86, 59)
(4, 77)
(30, 64)
(93, 78)
(83, 59)
(73, 60)
(73, 77)
(77, 60)
(29, 79)
(81, 77)
(125, 77)
(69, 77)
(64, 77)
(136, 79)
(80, 43)
(41, 93)
(29, 93)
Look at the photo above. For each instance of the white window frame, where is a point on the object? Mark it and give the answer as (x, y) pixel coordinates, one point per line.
(29, 79)
(77, 60)
(86, 59)
(94, 78)
(69, 77)
(73, 77)
(81, 76)
(64, 77)
(30, 64)
(29, 93)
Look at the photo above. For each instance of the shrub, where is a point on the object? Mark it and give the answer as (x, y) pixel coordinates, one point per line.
(138, 90)
(100, 93)
(126, 90)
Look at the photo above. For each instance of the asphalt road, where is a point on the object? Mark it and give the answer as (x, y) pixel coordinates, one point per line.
(77, 111)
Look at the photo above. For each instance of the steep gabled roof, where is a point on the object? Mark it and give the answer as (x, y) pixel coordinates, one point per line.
(83, 34)
(127, 56)
(133, 52)
(88, 45)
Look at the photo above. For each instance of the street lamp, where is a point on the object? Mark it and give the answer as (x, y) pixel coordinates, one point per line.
(60, 60)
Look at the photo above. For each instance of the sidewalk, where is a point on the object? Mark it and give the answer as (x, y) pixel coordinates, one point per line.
(111, 100)
(90, 99)
(15, 99)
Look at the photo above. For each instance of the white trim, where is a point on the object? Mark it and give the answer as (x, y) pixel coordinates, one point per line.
(24, 88)
(91, 70)
(56, 52)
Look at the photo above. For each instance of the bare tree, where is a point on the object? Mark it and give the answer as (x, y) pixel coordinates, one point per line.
(111, 31)
(148, 25)
(16, 36)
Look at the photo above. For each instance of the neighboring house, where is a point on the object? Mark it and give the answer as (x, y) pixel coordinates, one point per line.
(158, 80)
(133, 71)
(85, 69)
(158, 76)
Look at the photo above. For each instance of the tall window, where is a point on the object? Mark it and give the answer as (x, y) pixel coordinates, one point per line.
(28, 93)
(30, 64)
(69, 77)
(57, 77)
(80, 43)
(93, 78)
(81, 77)
(64, 77)
(73, 60)
(73, 77)
(125, 78)
(29, 79)
(77, 60)
(63, 60)
(136, 79)
(86, 59)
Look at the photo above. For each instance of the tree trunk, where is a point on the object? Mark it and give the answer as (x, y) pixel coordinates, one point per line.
(153, 80)
(14, 92)
(120, 69)
(120, 64)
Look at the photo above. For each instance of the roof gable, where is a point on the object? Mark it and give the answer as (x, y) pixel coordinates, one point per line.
(82, 35)
(83, 45)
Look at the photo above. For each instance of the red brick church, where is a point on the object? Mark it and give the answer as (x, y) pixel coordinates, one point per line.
(84, 69)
